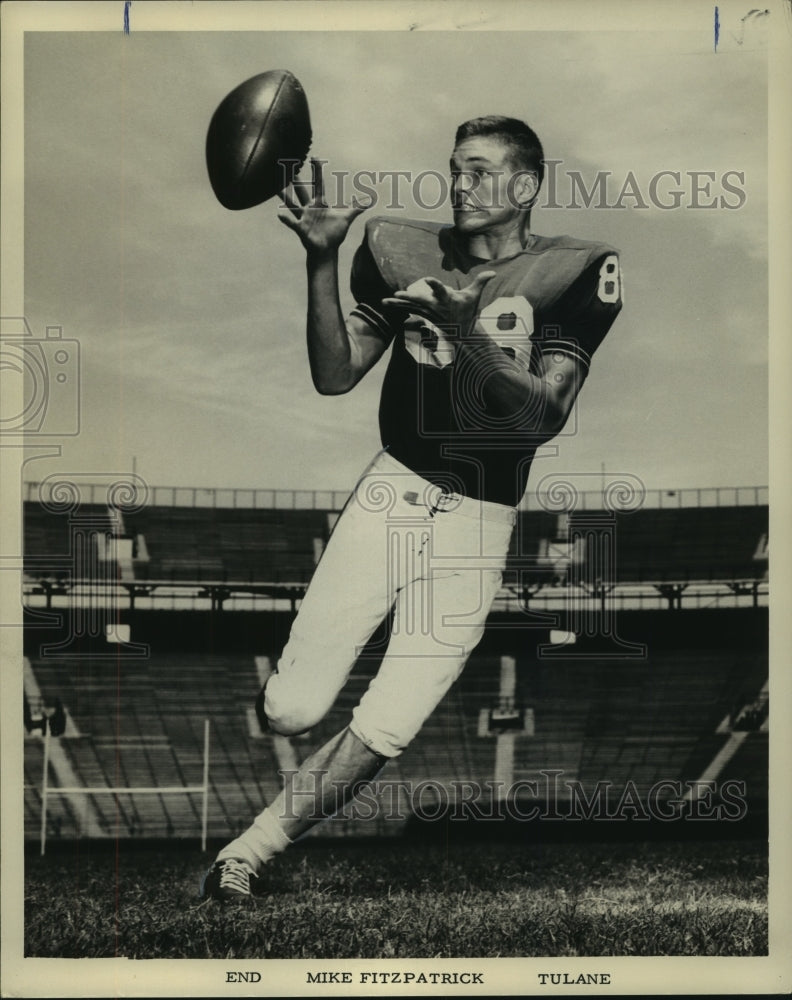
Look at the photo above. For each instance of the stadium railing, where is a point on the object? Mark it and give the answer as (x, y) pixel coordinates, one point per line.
(333, 500)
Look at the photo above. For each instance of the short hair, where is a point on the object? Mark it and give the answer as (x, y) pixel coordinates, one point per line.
(525, 149)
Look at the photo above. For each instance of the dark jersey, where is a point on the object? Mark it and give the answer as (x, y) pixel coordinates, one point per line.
(557, 295)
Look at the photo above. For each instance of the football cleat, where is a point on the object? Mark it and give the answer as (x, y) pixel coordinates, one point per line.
(228, 879)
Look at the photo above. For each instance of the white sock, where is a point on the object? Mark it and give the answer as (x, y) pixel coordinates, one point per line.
(260, 842)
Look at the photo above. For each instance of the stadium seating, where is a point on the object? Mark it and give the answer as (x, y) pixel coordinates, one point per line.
(689, 543)
(596, 720)
(636, 721)
(141, 721)
(189, 544)
(49, 537)
(196, 544)
(229, 545)
(141, 724)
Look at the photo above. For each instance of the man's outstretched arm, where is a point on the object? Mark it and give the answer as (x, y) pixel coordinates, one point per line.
(340, 351)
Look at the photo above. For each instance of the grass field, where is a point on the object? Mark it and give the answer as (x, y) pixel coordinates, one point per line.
(390, 899)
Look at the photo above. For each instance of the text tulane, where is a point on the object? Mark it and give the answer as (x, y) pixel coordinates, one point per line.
(574, 979)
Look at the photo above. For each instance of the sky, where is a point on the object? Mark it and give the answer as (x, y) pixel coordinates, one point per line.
(190, 318)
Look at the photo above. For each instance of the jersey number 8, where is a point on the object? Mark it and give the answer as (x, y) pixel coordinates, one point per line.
(610, 282)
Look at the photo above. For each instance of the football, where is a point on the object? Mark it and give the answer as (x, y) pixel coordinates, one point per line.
(258, 139)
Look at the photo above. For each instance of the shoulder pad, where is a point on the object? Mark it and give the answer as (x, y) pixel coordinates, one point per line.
(586, 251)
(560, 262)
(405, 251)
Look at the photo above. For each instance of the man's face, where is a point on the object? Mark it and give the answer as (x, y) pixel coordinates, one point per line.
(487, 192)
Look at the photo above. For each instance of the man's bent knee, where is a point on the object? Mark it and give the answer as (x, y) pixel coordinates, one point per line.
(290, 719)
(290, 726)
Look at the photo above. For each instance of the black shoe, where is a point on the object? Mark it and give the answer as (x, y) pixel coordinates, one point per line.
(227, 880)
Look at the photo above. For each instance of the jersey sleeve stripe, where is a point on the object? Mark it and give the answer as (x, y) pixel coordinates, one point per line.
(570, 348)
(374, 319)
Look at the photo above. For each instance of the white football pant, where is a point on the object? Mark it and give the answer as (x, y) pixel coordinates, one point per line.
(400, 542)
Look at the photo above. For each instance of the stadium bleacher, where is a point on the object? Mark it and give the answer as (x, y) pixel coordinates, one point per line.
(702, 544)
(139, 722)
(227, 544)
(50, 541)
(690, 544)
(596, 720)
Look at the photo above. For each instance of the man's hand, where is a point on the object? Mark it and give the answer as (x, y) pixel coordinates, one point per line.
(454, 308)
(320, 228)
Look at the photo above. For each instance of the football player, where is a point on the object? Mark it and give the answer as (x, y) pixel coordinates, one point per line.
(492, 329)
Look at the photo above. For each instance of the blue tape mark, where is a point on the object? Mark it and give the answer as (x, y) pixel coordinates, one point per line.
(128, 4)
(717, 28)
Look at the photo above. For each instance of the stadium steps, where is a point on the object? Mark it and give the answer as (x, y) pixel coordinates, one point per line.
(750, 765)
